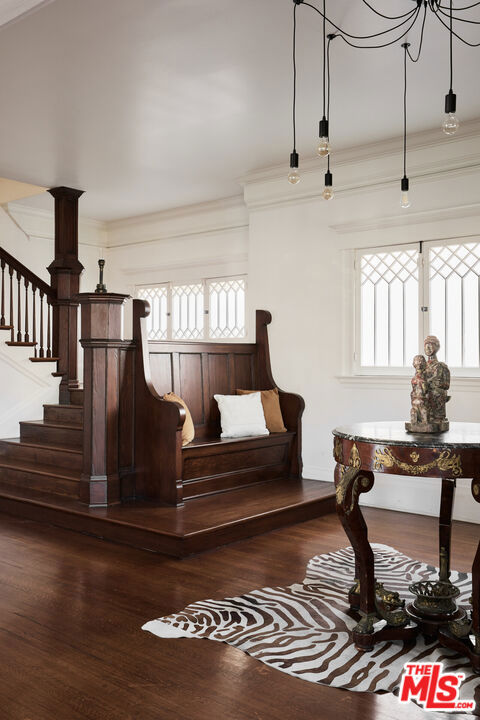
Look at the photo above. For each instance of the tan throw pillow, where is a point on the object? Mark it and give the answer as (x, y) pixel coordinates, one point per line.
(188, 430)
(271, 408)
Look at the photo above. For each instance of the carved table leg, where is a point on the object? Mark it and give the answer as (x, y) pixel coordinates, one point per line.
(445, 527)
(349, 483)
(476, 588)
(464, 635)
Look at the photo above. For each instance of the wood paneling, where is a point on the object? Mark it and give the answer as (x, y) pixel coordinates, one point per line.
(161, 372)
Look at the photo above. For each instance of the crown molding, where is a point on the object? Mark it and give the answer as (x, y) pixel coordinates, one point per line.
(212, 261)
(456, 212)
(372, 167)
(39, 223)
(19, 10)
(222, 215)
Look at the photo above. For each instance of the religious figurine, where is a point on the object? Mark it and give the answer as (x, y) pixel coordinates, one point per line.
(419, 411)
(429, 391)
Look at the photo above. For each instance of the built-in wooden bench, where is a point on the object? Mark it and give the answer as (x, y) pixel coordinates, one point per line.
(167, 472)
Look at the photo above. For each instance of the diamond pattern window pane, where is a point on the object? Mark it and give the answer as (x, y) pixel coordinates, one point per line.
(187, 312)
(226, 298)
(389, 287)
(454, 281)
(157, 320)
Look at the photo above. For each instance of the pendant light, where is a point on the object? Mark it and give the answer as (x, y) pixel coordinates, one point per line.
(323, 148)
(450, 123)
(294, 175)
(404, 185)
(328, 193)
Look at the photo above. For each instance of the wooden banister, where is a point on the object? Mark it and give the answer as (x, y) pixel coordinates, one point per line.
(25, 273)
(18, 302)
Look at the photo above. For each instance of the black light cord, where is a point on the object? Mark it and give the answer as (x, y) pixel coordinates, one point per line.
(414, 60)
(405, 112)
(465, 42)
(451, 46)
(330, 38)
(294, 109)
(324, 54)
(383, 45)
(466, 7)
(364, 37)
(387, 17)
(459, 19)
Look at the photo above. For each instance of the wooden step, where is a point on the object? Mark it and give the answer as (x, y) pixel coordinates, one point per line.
(44, 359)
(76, 396)
(63, 414)
(15, 452)
(238, 462)
(11, 343)
(201, 524)
(51, 434)
(38, 480)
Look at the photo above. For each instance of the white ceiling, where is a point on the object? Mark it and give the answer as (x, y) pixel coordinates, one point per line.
(152, 104)
(12, 9)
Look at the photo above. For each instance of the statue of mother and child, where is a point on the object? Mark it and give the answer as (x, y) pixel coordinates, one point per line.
(429, 391)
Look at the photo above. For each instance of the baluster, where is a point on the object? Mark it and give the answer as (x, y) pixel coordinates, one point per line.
(41, 350)
(2, 318)
(49, 351)
(10, 270)
(26, 336)
(34, 319)
(19, 302)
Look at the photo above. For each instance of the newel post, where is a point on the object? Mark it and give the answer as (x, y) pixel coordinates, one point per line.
(65, 271)
(101, 339)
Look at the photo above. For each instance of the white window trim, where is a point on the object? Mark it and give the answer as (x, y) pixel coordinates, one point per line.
(206, 325)
(463, 375)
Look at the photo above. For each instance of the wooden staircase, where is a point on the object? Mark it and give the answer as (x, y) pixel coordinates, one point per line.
(78, 467)
(46, 460)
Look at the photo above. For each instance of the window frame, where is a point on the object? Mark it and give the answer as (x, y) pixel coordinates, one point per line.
(423, 307)
(205, 281)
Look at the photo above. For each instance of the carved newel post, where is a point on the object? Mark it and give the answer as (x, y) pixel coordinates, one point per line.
(65, 271)
(101, 339)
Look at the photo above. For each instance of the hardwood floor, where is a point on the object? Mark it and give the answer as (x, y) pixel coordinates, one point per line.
(71, 609)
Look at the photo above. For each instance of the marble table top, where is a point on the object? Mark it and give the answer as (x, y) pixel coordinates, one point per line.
(460, 435)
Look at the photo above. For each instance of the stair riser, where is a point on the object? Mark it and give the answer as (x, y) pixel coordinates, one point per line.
(230, 481)
(67, 414)
(54, 436)
(11, 480)
(76, 397)
(24, 454)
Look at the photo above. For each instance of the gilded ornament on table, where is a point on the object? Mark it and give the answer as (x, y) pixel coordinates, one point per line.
(446, 461)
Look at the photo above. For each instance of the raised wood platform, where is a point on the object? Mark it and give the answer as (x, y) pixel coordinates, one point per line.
(201, 524)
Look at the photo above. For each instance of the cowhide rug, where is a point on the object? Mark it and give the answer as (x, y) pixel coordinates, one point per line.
(304, 629)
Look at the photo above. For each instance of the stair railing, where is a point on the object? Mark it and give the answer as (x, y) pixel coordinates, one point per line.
(26, 308)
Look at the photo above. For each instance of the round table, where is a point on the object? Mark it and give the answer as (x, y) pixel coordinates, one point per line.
(386, 447)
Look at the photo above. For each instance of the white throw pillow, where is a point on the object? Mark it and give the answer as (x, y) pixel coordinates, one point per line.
(241, 415)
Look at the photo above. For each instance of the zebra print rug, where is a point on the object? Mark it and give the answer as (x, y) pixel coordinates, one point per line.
(304, 629)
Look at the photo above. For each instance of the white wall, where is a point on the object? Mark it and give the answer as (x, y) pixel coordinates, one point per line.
(297, 250)
(27, 234)
(300, 268)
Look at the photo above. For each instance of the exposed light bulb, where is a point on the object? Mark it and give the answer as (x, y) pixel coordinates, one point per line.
(450, 124)
(405, 203)
(294, 176)
(327, 193)
(323, 148)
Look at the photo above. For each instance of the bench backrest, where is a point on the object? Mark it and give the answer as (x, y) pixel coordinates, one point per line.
(198, 371)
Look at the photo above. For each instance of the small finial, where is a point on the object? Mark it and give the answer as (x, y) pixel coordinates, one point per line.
(101, 287)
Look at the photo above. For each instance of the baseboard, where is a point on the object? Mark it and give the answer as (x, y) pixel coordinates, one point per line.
(420, 496)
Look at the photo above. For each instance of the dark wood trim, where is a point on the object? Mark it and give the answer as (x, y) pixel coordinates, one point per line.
(26, 273)
(65, 271)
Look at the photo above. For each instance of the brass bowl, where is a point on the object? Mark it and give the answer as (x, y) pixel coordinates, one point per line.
(434, 596)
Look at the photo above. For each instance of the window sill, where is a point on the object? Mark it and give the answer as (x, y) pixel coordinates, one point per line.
(459, 384)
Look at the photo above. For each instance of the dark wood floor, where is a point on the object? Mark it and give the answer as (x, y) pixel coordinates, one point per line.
(72, 607)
